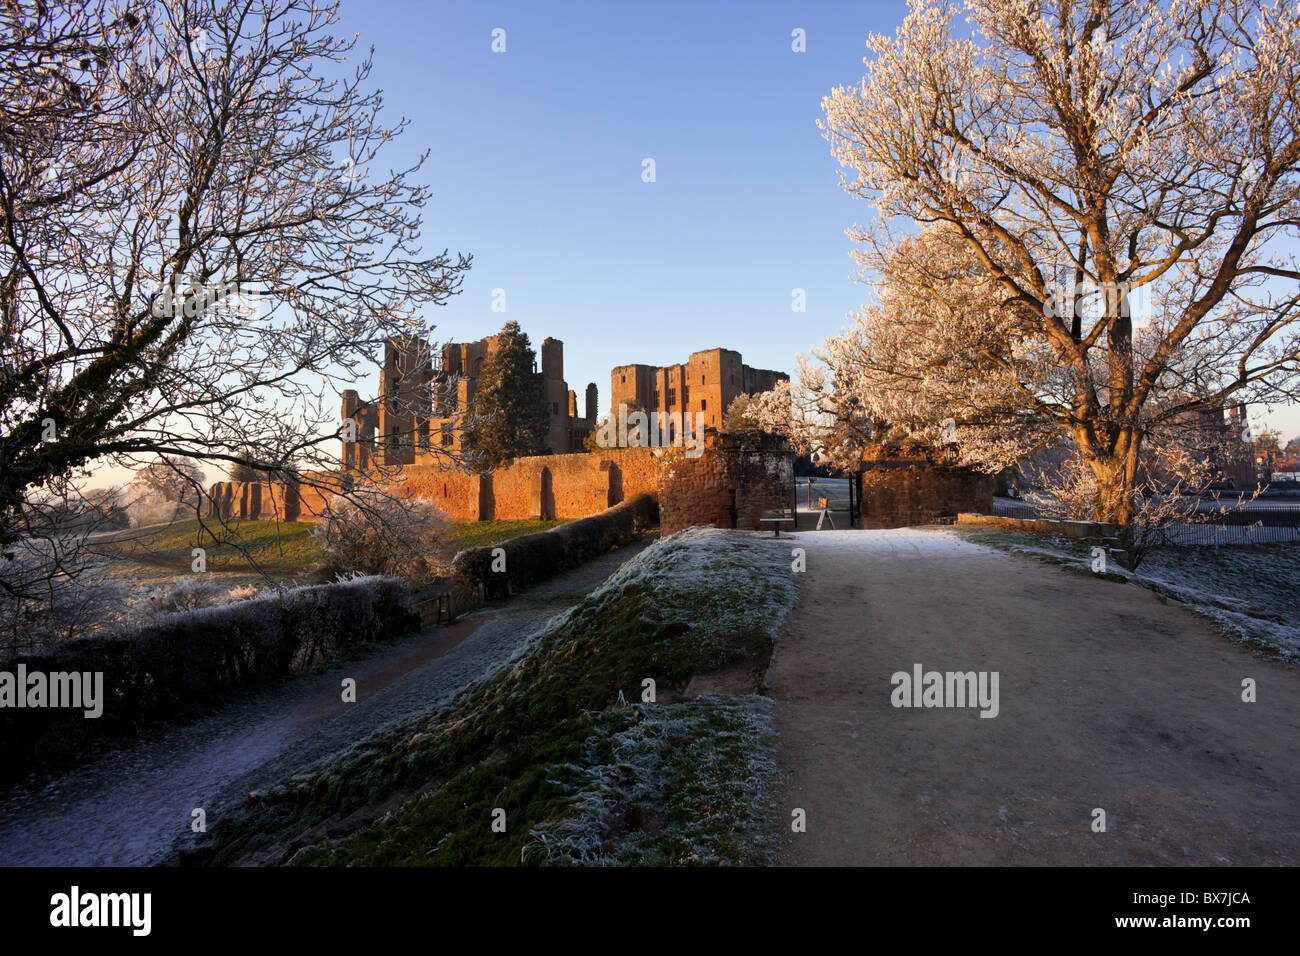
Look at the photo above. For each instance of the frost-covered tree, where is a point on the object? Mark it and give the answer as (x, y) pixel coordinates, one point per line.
(1113, 181)
(164, 490)
(771, 411)
(937, 348)
(200, 243)
(374, 532)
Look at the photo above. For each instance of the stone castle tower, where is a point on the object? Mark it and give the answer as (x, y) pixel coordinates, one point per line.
(705, 385)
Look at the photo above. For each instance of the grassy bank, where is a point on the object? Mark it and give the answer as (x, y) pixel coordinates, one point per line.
(550, 744)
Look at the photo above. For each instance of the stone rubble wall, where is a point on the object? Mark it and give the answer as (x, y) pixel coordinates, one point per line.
(905, 497)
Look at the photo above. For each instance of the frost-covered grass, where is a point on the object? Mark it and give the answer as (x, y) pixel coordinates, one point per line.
(558, 737)
(715, 582)
(708, 761)
(1250, 592)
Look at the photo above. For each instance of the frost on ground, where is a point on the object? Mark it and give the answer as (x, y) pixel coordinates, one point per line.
(559, 747)
(1251, 593)
(714, 581)
(918, 542)
(1248, 592)
(684, 784)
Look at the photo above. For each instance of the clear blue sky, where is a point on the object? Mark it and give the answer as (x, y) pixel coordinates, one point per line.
(536, 161)
(537, 156)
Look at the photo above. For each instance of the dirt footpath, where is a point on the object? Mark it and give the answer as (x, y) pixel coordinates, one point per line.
(131, 805)
(1108, 699)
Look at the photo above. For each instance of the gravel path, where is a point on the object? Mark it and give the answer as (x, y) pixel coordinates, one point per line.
(133, 805)
(1108, 699)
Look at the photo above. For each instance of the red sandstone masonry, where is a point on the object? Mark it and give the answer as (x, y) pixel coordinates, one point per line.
(902, 497)
(729, 485)
(271, 500)
(1081, 530)
(551, 486)
(738, 477)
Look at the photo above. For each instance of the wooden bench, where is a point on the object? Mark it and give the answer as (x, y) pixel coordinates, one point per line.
(776, 516)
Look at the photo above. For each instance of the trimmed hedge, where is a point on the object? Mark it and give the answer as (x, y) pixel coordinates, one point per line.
(535, 557)
(187, 661)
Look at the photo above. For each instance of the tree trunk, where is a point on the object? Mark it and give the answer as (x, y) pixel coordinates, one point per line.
(1114, 494)
(1116, 473)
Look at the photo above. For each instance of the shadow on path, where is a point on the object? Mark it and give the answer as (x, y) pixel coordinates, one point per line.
(1108, 698)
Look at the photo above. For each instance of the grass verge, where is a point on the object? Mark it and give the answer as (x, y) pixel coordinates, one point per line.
(283, 546)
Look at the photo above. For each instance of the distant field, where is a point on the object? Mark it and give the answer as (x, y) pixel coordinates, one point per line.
(279, 549)
(476, 534)
(236, 545)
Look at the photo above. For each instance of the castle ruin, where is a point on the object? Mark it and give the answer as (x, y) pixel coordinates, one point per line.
(705, 385)
(424, 395)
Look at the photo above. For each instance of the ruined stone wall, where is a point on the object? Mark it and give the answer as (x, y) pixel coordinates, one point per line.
(735, 479)
(705, 384)
(457, 493)
(546, 486)
(271, 500)
(899, 497)
(313, 502)
(1079, 530)
(730, 485)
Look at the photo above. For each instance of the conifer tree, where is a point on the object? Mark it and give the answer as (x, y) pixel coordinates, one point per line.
(508, 418)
